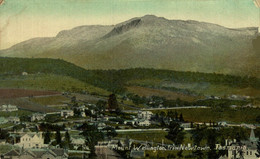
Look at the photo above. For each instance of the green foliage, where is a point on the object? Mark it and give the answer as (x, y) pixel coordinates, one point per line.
(47, 137)
(58, 137)
(115, 80)
(175, 133)
(112, 102)
(92, 136)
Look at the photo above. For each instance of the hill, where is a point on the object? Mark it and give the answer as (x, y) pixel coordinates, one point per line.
(44, 73)
(140, 42)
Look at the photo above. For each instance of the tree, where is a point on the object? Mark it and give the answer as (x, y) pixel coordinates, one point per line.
(3, 134)
(67, 140)
(112, 102)
(92, 136)
(58, 137)
(110, 132)
(211, 140)
(197, 137)
(101, 106)
(258, 149)
(181, 117)
(175, 133)
(47, 137)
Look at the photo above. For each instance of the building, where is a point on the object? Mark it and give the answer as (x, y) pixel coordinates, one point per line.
(14, 119)
(3, 120)
(129, 122)
(8, 108)
(185, 125)
(222, 123)
(248, 148)
(36, 154)
(145, 115)
(143, 122)
(79, 143)
(38, 117)
(31, 140)
(66, 113)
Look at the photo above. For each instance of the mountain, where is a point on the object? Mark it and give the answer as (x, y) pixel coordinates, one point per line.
(150, 42)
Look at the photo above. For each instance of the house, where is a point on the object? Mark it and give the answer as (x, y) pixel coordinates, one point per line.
(66, 113)
(145, 115)
(129, 122)
(249, 148)
(8, 108)
(222, 123)
(79, 143)
(31, 140)
(24, 73)
(36, 154)
(38, 117)
(3, 120)
(14, 119)
(185, 125)
(143, 122)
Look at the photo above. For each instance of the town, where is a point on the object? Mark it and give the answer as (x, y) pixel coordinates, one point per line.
(115, 127)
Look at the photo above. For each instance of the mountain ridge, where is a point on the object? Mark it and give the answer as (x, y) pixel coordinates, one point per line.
(150, 42)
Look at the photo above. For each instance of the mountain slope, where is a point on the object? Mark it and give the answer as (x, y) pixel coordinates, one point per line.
(150, 42)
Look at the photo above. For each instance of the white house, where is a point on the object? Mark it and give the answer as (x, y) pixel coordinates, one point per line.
(143, 122)
(249, 148)
(31, 140)
(3, 120)
(66, 113)
(8, 108)
(79, 142)
(145, 115)
(38, 116)
(14, 119)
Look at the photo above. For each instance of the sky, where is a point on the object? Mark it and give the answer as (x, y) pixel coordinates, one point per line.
(25, 19)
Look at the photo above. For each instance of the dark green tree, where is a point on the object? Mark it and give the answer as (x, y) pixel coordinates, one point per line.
(92, 136)
(211, 141)
(112, 102)
(101, 106)
(175, 133)
(181, 118)
(47, 137)
(67, 140)
(58, 137)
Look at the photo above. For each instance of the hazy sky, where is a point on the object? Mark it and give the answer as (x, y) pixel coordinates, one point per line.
(24, 19)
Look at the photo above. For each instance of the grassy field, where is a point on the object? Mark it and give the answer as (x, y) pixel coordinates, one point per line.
(6, 125)
(240, 115)
(49, 82)
(155, 136)
(16, 113)
(147, 92)
(25, 104)
(51, 100)
(203, 88)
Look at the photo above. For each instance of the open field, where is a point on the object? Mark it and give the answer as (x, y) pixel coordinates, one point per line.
(50, 100)
(147, 92)
(240, 115)
(15, 113)
(17, 93)
(155, 136)
(25, 104)
(202, 88)
(49, 82)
